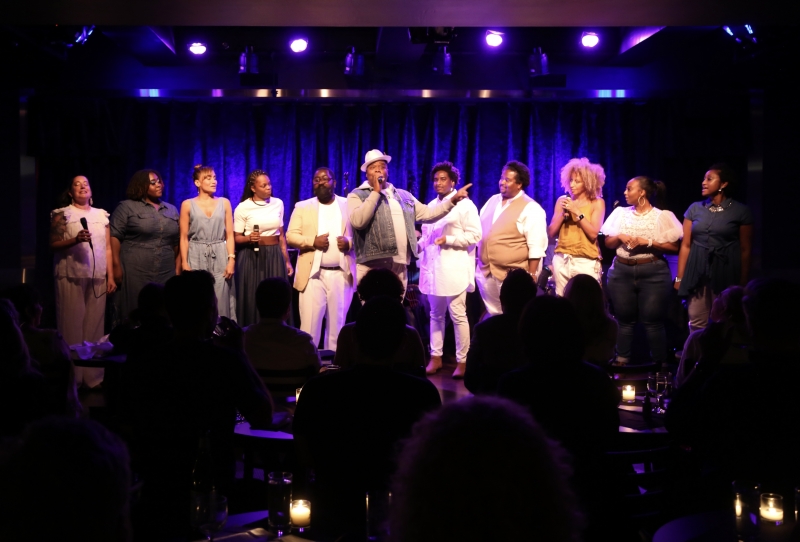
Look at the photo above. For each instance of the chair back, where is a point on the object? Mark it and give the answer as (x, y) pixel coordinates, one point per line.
(283, 383)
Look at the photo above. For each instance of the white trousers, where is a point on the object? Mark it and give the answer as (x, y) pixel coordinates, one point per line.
(457, 306)
(81, 317)
(566, 266)
(489, 287)
(699, 307)
(327, 296)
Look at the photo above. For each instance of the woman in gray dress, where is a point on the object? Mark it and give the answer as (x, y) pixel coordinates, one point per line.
(206, 238)
(144, 240)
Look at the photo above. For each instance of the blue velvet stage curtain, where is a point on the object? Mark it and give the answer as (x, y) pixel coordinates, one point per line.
(107, 139)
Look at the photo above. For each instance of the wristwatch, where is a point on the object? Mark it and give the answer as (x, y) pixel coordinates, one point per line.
(580, 217)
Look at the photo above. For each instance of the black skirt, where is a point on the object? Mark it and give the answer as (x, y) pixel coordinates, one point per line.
(251, 268)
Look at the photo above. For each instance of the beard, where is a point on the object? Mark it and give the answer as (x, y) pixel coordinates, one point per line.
(323, 193)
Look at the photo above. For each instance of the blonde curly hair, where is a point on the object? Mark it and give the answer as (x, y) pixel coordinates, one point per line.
(592, 175)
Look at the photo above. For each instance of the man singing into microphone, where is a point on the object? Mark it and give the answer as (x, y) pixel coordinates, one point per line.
(383, 218)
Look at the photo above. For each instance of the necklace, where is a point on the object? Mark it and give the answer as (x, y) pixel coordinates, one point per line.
(259, 204)
(637, 213)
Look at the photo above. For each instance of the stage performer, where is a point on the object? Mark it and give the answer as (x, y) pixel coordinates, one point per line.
(206, 239)
(144, 240)
(383, 218)
(514, 234)
(447, 270)
(84, 270)
(320, 229)
(715, 251)
(639, 281)
(258, 227)
(576, 221)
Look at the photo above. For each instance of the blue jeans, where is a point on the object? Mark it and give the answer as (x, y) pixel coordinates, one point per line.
(640, 293)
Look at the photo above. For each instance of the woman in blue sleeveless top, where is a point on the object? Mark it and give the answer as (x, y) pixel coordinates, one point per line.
(206, 224)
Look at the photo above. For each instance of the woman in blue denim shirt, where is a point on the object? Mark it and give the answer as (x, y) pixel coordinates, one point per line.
(144, 240)
(715, 252)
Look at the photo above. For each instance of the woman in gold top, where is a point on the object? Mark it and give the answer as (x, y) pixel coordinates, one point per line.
(577, 218)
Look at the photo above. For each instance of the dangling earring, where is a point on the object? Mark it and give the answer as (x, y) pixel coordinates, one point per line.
(639, 201)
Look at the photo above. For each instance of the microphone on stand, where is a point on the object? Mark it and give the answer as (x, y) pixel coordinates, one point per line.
(85, 226)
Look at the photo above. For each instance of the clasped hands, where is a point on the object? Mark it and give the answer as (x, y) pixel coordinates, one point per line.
(632, 242)
(321, 243)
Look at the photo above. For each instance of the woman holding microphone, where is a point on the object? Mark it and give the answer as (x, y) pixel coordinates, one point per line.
(261, 242)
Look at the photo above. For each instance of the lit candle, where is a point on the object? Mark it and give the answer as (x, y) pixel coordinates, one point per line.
(628, 394)
(772, 507)
(738, 507)
(300, 513)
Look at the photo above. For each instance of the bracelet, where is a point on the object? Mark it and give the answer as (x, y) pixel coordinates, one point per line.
(231, 256)
(677, 279)
(649, 243)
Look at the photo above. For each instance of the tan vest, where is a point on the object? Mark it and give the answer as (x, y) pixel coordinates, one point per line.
(502, 246)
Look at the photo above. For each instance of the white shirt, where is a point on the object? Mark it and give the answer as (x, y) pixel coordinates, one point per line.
(77, 261)
(449, 269)
(656, 224)
(268, 216)
(330, 222)
(532, 223)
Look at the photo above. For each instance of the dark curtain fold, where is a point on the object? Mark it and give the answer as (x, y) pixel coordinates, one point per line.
(108, 139)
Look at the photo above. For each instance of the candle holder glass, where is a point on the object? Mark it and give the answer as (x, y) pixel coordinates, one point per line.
(746, 498)
(771, 508)
(279, 498)
(629, 393)
(300, 513)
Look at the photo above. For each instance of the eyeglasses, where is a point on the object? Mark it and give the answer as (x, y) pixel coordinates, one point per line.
(324, 179)
(154, 182)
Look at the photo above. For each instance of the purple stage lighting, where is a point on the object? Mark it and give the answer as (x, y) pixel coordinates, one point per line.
(494, 38)
(198, 48)
(589, 39)
(299, 45)
(728, 30)
(748, 28)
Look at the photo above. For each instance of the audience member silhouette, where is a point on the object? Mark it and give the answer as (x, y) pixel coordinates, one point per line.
(185, 388)
(284, 357)
(741, 422)
(348, 422)
(146, 324)
(49, 353)
(482, 469)
(495, 348)
(575, 402)
(66, 479)
(599, 327)
(410, 357)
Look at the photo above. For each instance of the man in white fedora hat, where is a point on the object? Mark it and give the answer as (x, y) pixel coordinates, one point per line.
(383, 218)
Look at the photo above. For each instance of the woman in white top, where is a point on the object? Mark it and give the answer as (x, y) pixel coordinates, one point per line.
(639, 281)
(83, 270)
(261, 243)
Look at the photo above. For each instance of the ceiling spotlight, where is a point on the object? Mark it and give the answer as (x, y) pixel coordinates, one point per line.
(83, 34)
(728, 30)
(197, 48)
(748, 28)
(589, 39)
(299, 45)
(494, 38)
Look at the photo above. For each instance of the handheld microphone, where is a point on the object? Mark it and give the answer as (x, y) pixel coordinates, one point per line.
(86, 227)
(616, 203)
(380, 179)
(255, 230)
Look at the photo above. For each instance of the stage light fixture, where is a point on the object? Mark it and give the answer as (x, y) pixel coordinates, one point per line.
(248, 61)
(197, 48)
(748, 28)
(728, 30)
(83, 34)
(589, 39)
(442, 61)
(494, 38)
(299, 45)
(353, 63)
(537, 63)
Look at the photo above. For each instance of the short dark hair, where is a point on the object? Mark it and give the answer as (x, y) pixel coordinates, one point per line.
(449, 168)
(273, 297)
(189, 297)
(380, 281)
(522, 171)
(517, 289)
(23, 296)
(380, 327)
(140, 183)
(331, 174)
(550, 331)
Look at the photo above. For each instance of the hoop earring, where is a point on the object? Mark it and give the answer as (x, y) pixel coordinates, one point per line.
(639, 201)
